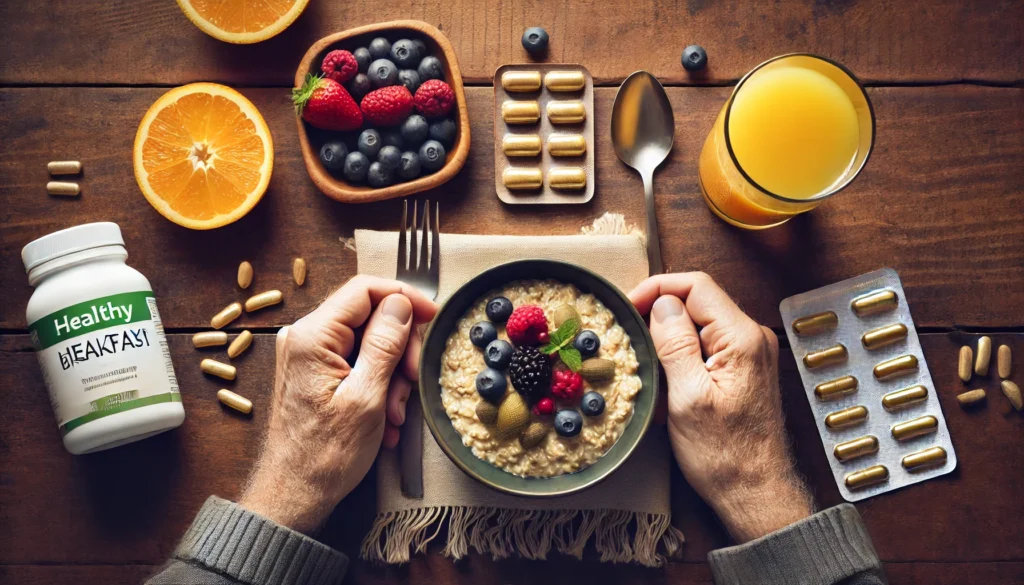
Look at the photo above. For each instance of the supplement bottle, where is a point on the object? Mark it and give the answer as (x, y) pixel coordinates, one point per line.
(99, 340)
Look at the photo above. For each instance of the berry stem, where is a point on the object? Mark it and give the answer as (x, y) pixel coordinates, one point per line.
(302, 95)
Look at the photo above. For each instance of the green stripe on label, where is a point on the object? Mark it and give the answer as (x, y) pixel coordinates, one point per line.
(119, 407)
(90, 316)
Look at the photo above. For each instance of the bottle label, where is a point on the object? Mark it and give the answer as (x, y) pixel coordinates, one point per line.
(104, 356)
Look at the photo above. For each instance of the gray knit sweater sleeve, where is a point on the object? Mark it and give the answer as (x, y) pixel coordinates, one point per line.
(830, 547)
(228, 544)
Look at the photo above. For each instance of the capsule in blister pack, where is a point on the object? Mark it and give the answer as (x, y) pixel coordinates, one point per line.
(868, 385)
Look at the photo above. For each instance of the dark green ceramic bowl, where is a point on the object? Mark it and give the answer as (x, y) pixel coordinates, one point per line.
(430, 373)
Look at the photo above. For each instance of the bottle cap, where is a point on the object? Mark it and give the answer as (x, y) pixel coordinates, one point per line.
(69, 241)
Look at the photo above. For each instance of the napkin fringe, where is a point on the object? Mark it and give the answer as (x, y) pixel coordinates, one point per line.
(619, 536)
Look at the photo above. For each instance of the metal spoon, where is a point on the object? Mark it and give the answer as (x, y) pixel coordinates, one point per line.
(643, 130)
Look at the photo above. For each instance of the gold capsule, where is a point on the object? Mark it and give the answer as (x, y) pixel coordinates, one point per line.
(904, 398)
(522, 178)
(520, 112)
(856, 448)
(521, 145)
(567, 178)
(227, 315)
(236, 401)
(299, 271)
(984, 355)
(971, 397)
(905, 364)
(865, 477)
(1004, 362)
(566, 145)
(966, 366)
(209, 339)
(884, 336)
(814, 324)
(846, 417)
(830, 355)
(915, 428)
(263, 300)
(927, 458)
(64, 167)
(836, 388)
(566, 112)
(1012, 393)
(62, 188)
(564, 80)
(245, 273)
(215, 368)
(875, 302)
(240, 344)
(520, 81)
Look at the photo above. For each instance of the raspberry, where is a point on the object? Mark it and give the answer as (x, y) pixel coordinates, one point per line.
(341, 66)
(434, 98)
(387, 106)
(526, 324)
(544, 406)
(567, 385)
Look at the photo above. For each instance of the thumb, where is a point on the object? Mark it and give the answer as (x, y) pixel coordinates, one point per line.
(675, 339)
(384, 340)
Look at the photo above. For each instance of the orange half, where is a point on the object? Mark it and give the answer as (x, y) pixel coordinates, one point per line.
(242, 21)
(203, 155)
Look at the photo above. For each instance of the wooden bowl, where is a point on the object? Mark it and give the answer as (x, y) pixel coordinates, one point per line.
(310, 139)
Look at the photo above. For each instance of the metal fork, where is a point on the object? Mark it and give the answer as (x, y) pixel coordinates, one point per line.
(420, 267)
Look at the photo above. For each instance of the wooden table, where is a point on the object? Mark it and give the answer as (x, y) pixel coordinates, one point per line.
(940, 201)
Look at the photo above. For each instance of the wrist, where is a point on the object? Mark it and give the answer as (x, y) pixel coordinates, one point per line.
(291, 504)
(750, 511)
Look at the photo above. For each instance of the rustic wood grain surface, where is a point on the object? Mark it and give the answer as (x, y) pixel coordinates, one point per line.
(941, 201)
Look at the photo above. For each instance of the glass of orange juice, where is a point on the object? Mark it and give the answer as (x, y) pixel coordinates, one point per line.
(795, 131)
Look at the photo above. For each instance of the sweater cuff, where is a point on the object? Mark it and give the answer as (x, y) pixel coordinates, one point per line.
(823, 549)
(245, 546)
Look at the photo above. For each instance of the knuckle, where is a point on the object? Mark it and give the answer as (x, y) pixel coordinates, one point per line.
(678, 344)
(383, 345)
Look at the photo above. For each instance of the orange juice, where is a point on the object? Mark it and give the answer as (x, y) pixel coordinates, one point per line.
(795, 130)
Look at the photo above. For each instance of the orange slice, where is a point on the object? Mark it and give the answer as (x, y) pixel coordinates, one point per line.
(242, 21)
(203, 155)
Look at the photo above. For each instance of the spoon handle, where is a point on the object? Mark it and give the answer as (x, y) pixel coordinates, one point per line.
(653, 243)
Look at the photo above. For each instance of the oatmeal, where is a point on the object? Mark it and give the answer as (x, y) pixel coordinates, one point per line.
(585, 432)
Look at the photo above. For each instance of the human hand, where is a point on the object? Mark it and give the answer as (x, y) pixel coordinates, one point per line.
(329, 417)
(725, 422)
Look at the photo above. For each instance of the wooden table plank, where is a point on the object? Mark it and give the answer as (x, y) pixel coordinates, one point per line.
(940, 201)
(153, 42)
(131, 504)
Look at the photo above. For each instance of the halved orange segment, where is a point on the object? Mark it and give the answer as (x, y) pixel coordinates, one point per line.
(242, 21)
(203, 155)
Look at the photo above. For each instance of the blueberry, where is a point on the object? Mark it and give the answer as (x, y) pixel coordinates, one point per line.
(421, 47)
(359, 86)
(332, 156)
(568, 423)
(498, 354)
(592, 404)
(694, 58)
(356, 165)
(380, 48)
(430, 68)
(392, 138)
(535, 40)
(379, 176)
(389, 157)
(499, 309)
(482, 333)
(363, 58)
(409, 166)
(369, 143)
(405, 53)
(414, 130)
(432, 156)
(587, 342)
(491, 385)
(382, 73)
(410, 79)
(443, 131)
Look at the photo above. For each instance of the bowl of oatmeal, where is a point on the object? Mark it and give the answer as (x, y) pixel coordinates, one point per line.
(538, 378)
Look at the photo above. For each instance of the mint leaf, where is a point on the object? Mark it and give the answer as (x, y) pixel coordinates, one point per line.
(566, 333)
(571, 357)
(549, 348)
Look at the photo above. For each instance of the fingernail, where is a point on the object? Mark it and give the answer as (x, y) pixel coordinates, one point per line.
(666, 309)
(397, 309)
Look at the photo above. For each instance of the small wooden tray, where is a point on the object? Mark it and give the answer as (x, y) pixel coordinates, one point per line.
(544, 195)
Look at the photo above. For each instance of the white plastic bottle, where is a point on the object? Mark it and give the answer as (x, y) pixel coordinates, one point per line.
(99, 340)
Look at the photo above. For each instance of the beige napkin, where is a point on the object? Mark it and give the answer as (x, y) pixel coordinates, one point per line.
(627, 516)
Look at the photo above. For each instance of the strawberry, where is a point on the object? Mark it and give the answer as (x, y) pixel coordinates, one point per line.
(387, 106)
(324, 103)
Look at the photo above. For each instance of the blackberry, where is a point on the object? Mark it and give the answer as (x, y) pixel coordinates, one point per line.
(530, 371)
